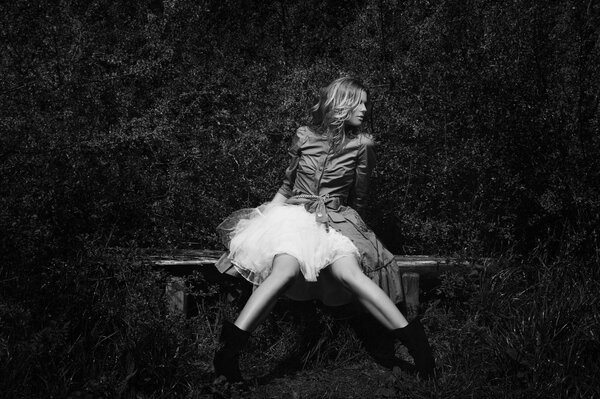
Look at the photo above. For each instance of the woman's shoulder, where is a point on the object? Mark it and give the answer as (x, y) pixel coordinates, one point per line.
(311, 133)
(364, 140)
(306, 133)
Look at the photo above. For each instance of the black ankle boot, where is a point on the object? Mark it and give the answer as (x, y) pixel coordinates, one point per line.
(226, 360)
(414, 338)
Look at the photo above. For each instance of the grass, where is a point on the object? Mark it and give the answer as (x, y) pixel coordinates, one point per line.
(523, 328)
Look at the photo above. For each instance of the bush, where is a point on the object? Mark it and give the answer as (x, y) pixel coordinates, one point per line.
(144, 124)
(528, 326)
(99, 325)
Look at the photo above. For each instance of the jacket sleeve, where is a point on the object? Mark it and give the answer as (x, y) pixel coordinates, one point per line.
(294, 152)
(362, 175)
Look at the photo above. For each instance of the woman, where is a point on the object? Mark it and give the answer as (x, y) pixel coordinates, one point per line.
(308, 243)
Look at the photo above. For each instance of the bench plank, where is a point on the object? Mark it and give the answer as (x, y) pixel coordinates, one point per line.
(428, 267)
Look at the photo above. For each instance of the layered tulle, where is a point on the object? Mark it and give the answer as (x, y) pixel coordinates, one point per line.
(255, 236)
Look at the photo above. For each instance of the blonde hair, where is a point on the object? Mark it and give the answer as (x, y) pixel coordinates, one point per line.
(335, 106)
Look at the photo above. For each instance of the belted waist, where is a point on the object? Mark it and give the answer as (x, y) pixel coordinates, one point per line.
(317, 204)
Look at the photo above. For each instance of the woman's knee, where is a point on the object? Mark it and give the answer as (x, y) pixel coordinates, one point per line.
(286, 267)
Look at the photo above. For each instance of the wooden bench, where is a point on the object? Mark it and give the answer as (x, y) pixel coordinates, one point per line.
(412, 269)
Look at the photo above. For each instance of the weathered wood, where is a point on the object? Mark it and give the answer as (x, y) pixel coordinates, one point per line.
(177, 298)
(194, 257)
(428, 267)
(410, 284)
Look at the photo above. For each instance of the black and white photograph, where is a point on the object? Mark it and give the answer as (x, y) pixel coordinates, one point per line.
(209, 199)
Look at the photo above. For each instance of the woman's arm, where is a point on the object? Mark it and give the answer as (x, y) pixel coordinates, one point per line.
(286, 189)
(362, 174)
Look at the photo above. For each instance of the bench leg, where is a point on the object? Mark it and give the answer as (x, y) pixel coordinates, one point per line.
(177, 298)
(410, 284)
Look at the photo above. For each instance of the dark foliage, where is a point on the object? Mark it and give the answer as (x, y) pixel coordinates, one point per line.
(144, 123)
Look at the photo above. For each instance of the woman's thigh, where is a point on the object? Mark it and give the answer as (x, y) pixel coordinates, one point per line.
(345, 268)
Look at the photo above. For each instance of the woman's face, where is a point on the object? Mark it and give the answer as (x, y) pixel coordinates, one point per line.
(358, 114)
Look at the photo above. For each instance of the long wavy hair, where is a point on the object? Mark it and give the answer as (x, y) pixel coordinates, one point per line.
(335, 106)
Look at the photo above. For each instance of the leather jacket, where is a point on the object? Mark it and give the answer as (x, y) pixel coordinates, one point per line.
(315, 169)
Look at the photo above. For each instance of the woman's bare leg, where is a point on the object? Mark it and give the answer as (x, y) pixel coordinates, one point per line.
(348, 272)
(285, 271)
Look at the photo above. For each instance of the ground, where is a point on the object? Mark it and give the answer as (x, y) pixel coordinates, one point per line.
(361, 378)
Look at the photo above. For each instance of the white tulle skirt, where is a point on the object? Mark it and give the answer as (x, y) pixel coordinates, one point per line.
(257, 235)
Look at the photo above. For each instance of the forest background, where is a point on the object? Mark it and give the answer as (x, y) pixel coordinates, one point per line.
(143, 123)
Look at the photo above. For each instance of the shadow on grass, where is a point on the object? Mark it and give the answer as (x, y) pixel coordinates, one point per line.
(372, 339)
